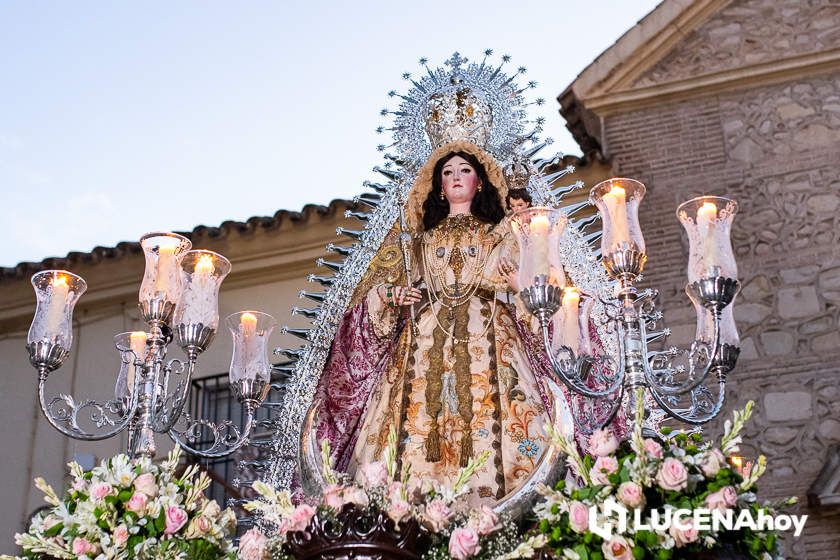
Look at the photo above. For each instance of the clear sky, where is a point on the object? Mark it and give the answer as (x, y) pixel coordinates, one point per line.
(119, 118)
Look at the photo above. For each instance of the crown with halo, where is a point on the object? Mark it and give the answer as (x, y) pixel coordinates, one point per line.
(463, 100)
(458, 114)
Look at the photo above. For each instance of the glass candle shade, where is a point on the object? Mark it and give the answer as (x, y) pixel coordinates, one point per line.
(250, 331)
(706, 326)
(584, 320)
(132, 348)
(618, 202)
(538, 231)
(708, 223)
(570, 312)
(202, 273)
(162, 279)
(56, 292)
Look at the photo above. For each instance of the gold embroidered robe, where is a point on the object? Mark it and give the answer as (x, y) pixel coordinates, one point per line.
(464, 384)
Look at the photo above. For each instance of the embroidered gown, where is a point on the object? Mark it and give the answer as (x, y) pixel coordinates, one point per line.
(469, 381)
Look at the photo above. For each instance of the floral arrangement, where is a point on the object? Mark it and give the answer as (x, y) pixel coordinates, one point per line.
(648, 478)
(131, 509)
(450, 528)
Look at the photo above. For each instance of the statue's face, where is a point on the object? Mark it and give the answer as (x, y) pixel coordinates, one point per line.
(459, 180)
(517, 204)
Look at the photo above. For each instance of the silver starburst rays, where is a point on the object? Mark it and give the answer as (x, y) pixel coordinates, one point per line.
(481, 93)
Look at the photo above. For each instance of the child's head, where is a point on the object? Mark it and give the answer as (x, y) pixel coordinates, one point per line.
(518, 199)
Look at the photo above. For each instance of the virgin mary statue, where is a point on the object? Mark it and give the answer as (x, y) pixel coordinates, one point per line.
(426, 345)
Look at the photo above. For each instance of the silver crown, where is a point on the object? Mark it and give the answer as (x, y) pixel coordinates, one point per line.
(459, 114)
(518, 173)
(461, 101)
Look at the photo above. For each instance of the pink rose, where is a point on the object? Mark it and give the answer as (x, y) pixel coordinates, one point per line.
(175, 519)
(252, 545)
(463, 543)
(137, 503)
(630, 494)
(82, 546)
(334, 496)
(653, 448)
(711, 463)
(617, 548)
(145, 483)
(672, 475)
(437, 515)
(100, 490)
(398, 510)
(683, 532)
(602, 442)
(374, 474)
(578, 517)
(603, 467)
(484, 520)
(198, 528)
(300, 517)
(723, 499)
(120, 536)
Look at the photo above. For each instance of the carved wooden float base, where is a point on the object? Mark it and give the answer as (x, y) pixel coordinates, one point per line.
(356, 535)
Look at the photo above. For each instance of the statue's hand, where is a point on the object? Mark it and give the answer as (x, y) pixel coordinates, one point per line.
(510, 273)
(399, 295)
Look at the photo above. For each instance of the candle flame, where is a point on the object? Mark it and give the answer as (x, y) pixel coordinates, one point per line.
(248, 318)
(570, 294)
(59, 280)
(709, 210)
(617, 191)
(205, 265)
(168, 244)
(540, 223)
(138, 335)
(137, 343)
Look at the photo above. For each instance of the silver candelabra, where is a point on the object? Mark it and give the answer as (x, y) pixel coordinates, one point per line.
(676, 380)
(178, 302)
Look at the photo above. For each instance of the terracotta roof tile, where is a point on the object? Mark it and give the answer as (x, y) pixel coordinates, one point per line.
(99, 253)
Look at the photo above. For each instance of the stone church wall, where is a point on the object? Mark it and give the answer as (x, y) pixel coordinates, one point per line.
(776, 149)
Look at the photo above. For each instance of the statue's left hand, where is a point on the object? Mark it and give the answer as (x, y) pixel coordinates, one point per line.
(510, 273)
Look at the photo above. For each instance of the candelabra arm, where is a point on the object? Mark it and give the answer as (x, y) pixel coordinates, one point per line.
(692, 381)
(590, 424)
(688, 416)
(577, 368)
(166, 416)
(227, 437)
(65, 419)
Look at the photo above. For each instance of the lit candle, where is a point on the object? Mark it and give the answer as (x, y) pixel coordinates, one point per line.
(137, 343)
(539, 244)
(248, 322)
(199, 301)
(56, 305)
(706, 218)
(571, 325)
(204, 267)
(248, 327)
(166, 264)
(737, 462)
(616, 203)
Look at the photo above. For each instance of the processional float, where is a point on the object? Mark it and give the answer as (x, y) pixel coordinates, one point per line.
(578, 270)
(601, 264)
